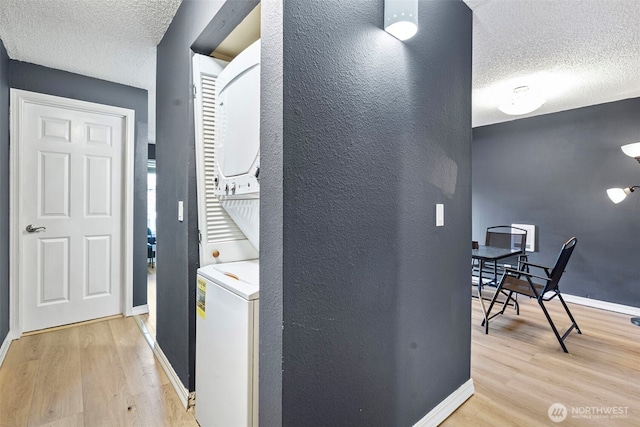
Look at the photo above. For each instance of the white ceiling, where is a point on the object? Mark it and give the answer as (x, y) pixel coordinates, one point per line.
(112, 40)
(579, 52)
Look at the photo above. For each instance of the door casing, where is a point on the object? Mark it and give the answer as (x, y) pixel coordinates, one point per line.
(18, 99)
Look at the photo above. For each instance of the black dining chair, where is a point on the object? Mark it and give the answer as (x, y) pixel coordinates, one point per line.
(507, 236)
(543, 287)
(503, 236)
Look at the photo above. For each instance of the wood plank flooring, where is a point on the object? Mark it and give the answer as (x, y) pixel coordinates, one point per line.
(98, 374)
(104, 374)
(519, 369)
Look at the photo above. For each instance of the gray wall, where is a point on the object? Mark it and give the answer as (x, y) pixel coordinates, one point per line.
(553, 171)
(177, 249)
(36, 78)
(375, 298)
(4, 193)
(372, 134)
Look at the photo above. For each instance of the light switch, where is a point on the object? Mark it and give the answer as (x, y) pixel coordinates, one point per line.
(439, 215)
(180, 210)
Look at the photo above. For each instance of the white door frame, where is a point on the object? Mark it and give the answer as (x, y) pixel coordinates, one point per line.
(18, 99)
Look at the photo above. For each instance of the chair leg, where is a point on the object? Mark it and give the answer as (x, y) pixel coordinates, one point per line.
(566, 308)
(553, 326)
(485, 321)
(512, 298)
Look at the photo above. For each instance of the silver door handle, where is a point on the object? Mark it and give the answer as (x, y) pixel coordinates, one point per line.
(32, 228)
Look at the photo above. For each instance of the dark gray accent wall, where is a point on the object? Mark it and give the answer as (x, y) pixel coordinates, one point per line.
(4, 193)
(553, 171)
(36, 78)
(364, 302)
(177, 247)
(376, 132)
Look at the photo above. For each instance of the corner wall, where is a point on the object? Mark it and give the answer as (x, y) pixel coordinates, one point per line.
(376, 132)
(4, 193)
(177, 248)
(36, 78)
(553, 171)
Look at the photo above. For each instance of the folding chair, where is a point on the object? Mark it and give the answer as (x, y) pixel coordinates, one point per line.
(521, 281)
(506, 236)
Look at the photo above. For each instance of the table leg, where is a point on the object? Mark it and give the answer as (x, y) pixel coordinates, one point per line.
(484, 310)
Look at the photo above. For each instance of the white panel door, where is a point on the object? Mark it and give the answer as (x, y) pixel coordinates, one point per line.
(71, 173)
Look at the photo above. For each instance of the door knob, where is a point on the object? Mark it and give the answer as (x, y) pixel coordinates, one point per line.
(32, 228)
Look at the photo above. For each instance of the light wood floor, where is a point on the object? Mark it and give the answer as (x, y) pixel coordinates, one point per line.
(519, 369)
(104, 374)
(99, 374)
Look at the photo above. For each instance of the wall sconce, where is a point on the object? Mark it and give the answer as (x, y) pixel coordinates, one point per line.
(632, 150)
(401, 18)
(619, 194)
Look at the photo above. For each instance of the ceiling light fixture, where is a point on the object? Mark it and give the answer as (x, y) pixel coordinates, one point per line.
(401, 18)
(632, 150)
(522, 100)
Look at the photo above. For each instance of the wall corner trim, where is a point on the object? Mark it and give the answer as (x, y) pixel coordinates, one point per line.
(181, 390)
(447, 406)
(140, 309)
(602, 305)
(4, 348)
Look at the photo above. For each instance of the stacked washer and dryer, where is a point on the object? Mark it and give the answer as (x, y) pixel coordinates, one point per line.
(228, 292)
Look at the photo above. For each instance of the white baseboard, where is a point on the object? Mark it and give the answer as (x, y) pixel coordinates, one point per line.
(4, 348)
(603, 305)
(447, 406)
(140, 309)
(181, 391)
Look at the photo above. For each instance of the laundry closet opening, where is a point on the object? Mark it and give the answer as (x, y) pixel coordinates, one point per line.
(226, 85)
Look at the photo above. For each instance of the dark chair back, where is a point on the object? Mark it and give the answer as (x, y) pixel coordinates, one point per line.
(506, 236)
(561, 264)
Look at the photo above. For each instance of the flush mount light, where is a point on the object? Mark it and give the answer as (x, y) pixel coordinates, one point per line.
(632, 150)
(401, 18)
(522, 100)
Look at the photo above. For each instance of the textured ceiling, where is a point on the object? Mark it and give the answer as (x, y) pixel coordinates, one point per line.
(578, 52)
(112, 40)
